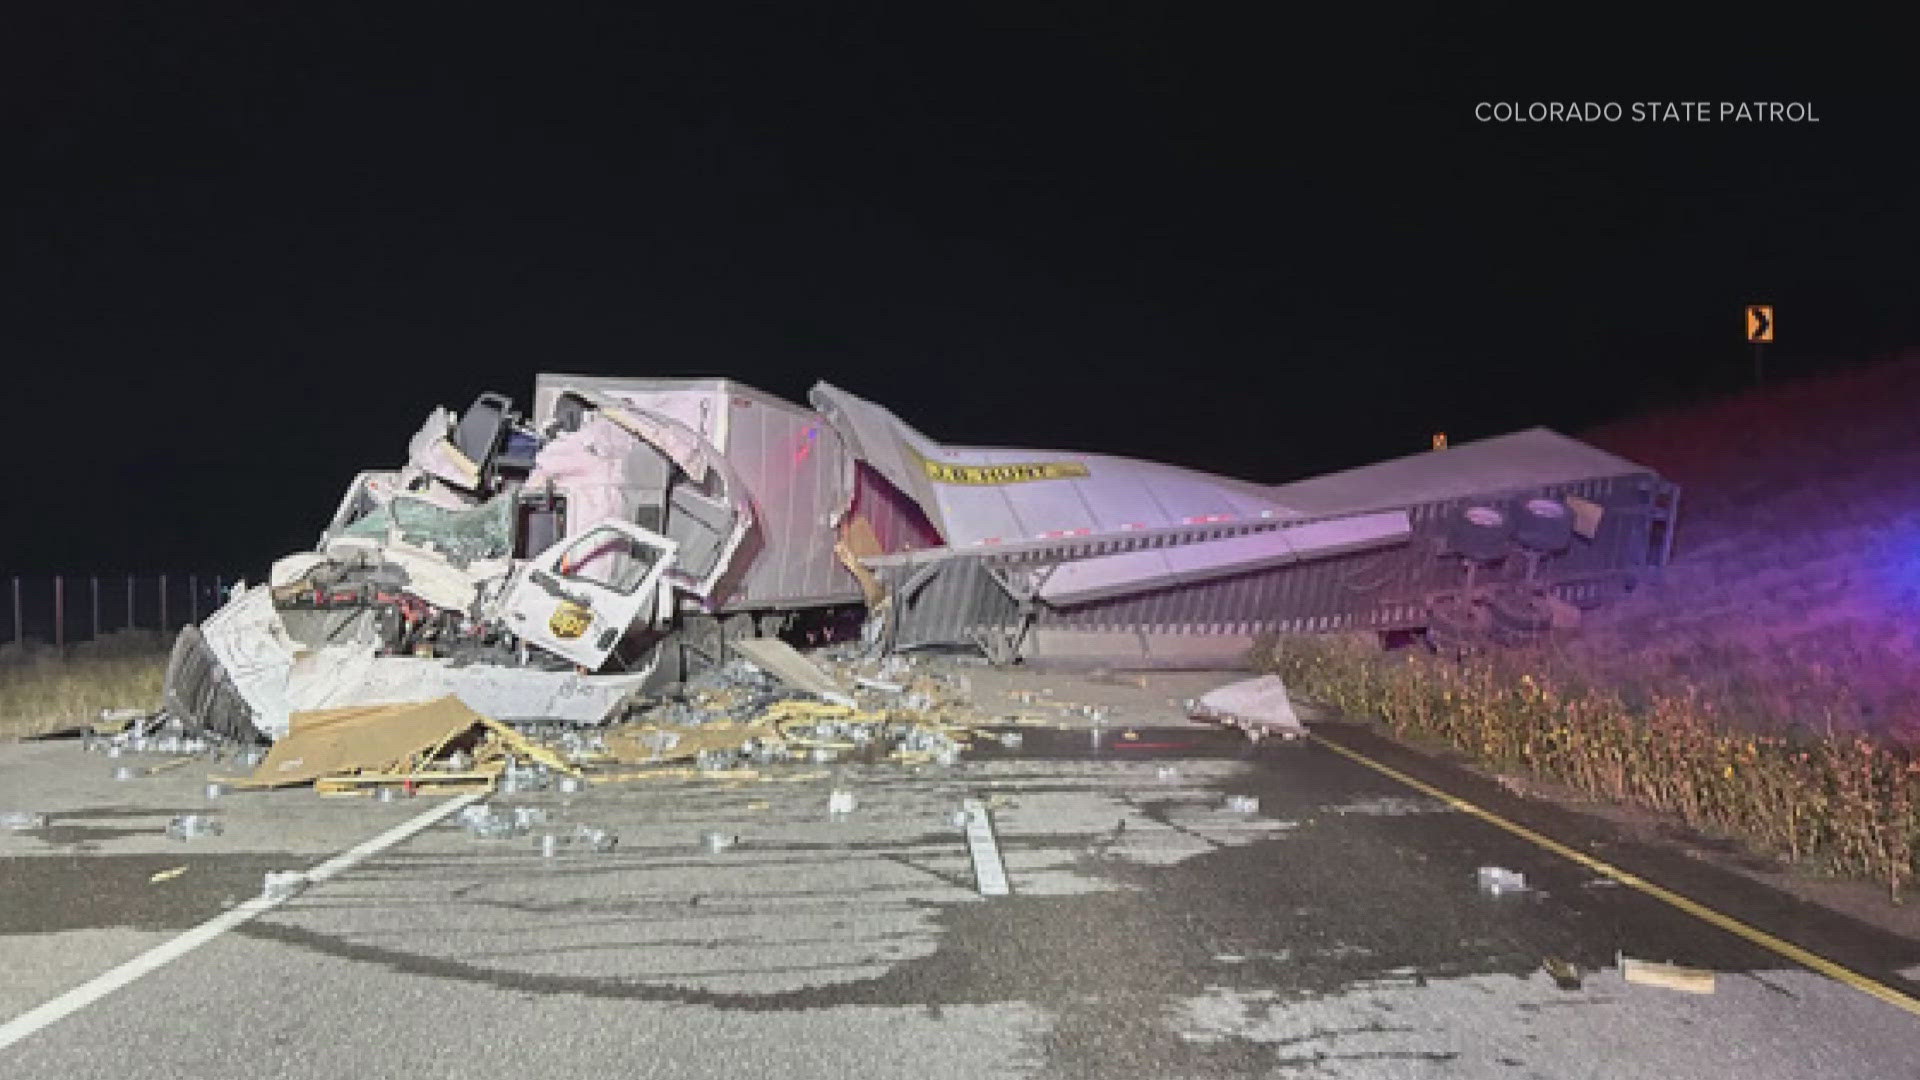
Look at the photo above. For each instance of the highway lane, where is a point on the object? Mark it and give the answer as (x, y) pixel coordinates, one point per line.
(1152, 930)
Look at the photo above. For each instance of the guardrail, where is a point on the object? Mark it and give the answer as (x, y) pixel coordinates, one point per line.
(67, 608)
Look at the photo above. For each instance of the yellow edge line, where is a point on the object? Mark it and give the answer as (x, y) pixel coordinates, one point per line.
(1692, 907)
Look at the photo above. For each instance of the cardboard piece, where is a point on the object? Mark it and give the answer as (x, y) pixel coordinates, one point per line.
(361, 737)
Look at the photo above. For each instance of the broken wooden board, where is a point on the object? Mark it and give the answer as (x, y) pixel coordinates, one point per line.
(1671, 976)
(784, 662)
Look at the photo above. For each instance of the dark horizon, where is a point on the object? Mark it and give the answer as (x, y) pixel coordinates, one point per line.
(249, 251)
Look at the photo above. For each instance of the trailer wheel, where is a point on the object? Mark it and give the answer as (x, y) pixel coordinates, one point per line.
(1453, 628)
(1545, 525)
(1519, 618)
(1480, 531)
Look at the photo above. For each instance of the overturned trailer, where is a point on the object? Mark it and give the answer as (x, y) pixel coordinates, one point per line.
(622, 534)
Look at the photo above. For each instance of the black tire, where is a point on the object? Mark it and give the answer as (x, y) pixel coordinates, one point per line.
(1519, 618)
(1544, 525)
(1480, 531)
(1452, 628)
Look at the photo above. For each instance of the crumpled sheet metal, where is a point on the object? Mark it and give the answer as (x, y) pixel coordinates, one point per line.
(352, 675)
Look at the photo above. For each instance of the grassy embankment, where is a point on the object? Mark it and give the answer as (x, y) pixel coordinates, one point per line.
(1767, 686)
(42, 690)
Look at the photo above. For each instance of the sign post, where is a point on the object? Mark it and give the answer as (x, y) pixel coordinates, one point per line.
(1759, 332)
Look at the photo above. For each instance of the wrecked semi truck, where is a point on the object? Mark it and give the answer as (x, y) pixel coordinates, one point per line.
(623, 534)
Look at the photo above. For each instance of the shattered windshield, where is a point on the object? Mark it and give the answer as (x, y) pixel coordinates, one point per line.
(461, 536)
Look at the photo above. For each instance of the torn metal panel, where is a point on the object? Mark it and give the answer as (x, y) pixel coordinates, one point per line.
(369, 491)
(256, 654)
(977, 496)
(294, 568)
(1259, 705)
(333, 677)
(1158, 568)
(792, 464)
(420, 573)
(432, 455)
(1534, 458)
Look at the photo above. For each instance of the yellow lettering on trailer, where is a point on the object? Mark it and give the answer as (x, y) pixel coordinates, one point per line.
(947, 472)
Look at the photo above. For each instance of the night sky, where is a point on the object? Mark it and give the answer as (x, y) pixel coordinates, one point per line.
(249, 246)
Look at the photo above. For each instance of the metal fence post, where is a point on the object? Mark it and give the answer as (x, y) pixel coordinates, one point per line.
(163, 603)
(59, 613)
(129, 601)
(93, 583)
(193, 598)
(19, 631)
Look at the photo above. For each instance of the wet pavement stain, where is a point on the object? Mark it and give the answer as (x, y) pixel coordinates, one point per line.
(48, 893)
(1323, 910)
(1338, 903)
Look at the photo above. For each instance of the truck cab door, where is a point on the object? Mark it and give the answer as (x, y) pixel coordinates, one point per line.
(579, 597)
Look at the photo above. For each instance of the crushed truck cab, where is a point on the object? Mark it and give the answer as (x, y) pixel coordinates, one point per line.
(625, 534)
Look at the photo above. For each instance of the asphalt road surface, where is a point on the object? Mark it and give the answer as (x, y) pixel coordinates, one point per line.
(1153, 929)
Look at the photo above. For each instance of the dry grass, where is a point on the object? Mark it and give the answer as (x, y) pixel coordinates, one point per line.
(1767, 686)
(42, 690)
(1842, 802)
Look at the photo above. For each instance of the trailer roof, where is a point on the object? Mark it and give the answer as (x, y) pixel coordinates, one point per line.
(1536, 457)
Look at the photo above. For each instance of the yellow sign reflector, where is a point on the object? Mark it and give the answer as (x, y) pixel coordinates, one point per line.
(1759, 323)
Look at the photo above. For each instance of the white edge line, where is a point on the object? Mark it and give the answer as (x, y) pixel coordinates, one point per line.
(988, 871)
(168, 951)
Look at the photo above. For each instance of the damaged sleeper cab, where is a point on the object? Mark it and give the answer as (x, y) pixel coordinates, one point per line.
(422, 584)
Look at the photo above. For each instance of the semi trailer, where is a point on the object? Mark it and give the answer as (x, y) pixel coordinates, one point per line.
(619, 535)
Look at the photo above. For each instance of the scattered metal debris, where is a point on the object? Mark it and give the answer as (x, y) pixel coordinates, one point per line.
(280, 884)
(23, 820)
(1500, 881)
(1243, 804)
(716, 842)
(193, 826)
(1565, 975)
(166, 875)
